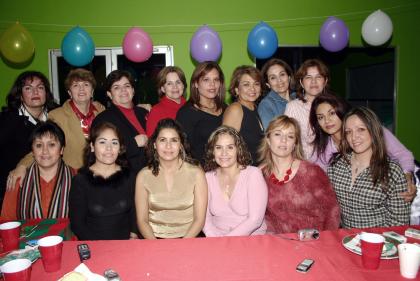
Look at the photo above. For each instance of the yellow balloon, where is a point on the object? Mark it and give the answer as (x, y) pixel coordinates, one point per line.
(16, 44)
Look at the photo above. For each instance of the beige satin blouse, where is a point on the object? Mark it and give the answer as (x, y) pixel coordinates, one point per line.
(171, 213)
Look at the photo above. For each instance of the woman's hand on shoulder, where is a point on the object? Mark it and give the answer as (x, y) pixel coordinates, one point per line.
(18, 173)
(141, 140)
(146, 106)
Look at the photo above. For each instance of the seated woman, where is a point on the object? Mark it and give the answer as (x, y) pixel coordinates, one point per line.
(102, 193)
(171, 192)
(237, 192)
(299, 192)
(44, 191)
(326, 117)
(367, 182)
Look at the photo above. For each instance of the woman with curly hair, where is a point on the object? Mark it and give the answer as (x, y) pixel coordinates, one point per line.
(171, 192)
(237, 191)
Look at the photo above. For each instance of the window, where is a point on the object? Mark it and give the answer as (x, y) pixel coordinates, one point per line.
(107, 60)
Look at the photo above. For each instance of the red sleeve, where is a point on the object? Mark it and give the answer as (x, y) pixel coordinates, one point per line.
(9, 209)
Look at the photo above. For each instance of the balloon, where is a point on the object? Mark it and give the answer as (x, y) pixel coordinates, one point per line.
(262, 41)
(334, 35)
(137, 45)
(205, 45)
(77, 47)
(16, 44)
(377, 28)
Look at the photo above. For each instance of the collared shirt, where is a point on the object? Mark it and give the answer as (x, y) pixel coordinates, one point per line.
(271, 106)
(366, 205)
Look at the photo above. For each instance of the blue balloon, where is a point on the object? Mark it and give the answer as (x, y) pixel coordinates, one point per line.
(77, 47)
(262, 41)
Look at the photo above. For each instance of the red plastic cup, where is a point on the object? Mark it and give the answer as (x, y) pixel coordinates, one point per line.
(9, 233)
(371, 245)
(17, 270)
(51, 248)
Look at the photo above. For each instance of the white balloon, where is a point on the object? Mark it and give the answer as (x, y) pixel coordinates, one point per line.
(377, 28)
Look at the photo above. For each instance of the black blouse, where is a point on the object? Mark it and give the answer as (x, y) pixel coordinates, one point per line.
(198, 125)
(252, 131)
(102, 209)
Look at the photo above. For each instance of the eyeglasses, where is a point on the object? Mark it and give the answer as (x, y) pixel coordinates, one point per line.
(317, 78)
(31, 89)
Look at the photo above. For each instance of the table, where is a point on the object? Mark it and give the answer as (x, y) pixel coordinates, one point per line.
(263, 257)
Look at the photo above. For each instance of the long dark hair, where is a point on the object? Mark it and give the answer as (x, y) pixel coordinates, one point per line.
(379, 162)
(89, 156)
(14, 97)
(201, 70)
(321, 139)
(151, 153)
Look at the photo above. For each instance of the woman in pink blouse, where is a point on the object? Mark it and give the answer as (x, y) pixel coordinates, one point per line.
(299, 192)
(312, 76)
(237, 197)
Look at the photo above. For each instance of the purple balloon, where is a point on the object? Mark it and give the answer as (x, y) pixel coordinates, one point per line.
(205, 45)
(334, 35)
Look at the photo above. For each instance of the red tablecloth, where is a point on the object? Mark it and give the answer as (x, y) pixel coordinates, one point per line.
(262, 257)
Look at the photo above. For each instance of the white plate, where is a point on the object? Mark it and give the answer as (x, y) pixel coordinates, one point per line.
(352, 243)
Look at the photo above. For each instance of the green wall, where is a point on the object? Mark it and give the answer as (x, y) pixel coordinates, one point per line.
(174, 22)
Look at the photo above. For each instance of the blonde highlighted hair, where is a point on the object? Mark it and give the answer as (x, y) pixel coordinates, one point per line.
(265, 154)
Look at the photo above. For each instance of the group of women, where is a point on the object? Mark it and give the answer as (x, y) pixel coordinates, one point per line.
(202, 168)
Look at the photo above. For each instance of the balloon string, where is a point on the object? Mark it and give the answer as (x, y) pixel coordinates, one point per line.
(217, 24)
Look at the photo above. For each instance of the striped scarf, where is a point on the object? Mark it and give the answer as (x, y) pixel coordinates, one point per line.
(29, 200)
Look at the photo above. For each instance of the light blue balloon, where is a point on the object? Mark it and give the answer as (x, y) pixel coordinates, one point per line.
(77, 47)
(262, 41)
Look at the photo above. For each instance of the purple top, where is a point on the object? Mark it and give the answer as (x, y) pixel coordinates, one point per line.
(396, 151)
(244, 213)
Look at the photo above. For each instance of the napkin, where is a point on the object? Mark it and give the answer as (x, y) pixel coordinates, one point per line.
(84, 270)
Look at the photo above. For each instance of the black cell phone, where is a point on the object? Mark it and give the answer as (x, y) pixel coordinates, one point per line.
(84, 252)
(111, 275)
(305, 265)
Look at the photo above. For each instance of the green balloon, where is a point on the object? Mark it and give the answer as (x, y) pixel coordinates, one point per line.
(16, 44)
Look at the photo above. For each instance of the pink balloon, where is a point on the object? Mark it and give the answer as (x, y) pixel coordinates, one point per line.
(137, 45)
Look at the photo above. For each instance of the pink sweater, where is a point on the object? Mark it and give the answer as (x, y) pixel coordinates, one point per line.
(300, 111)
(307, 201)
(244, 213)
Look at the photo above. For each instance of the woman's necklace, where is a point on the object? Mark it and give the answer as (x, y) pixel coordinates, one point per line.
(286, 177)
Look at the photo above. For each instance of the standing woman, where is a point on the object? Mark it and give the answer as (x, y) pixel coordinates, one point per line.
(242, 115)
(171, 84)
(129, 119)
(46, 185)
(204, 111)
(102, 193)
(28, 102)
(313, 76)
(326, 117)
(299, 192)
(367, 182)
(278, 78)
(171, 192)
(237, 192)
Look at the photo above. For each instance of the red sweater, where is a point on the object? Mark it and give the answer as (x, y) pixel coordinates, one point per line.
(166, 108)
(307, 201)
